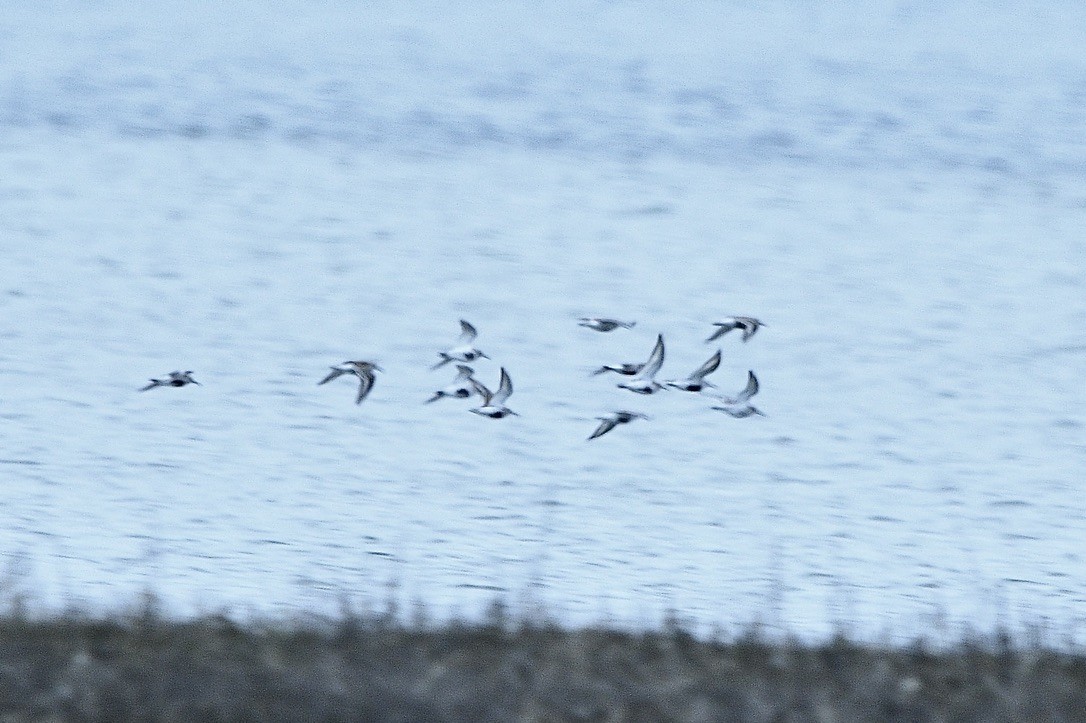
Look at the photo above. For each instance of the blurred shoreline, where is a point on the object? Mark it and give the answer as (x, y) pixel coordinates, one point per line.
(374, 666)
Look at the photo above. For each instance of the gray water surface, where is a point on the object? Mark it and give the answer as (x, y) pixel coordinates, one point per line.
(255, 196)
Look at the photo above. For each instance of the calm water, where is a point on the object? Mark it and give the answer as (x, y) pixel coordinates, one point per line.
(256, 197)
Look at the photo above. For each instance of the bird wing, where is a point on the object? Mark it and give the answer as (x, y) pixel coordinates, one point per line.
(748, 391)
(467, 333)
(606, 425)
(483, 392)
(722, 328)
(365, 384)
(334, 374)
(463, 373)
(707, 368)
(505, 388)
(656, 360)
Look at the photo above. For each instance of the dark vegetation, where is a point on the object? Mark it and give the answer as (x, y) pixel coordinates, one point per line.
(373, 667)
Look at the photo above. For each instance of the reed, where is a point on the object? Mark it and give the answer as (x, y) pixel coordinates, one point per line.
(375, 666)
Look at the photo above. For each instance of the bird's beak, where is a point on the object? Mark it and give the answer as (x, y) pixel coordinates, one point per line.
(484, 356)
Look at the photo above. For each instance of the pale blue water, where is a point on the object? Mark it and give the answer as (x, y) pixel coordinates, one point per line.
(256, 194)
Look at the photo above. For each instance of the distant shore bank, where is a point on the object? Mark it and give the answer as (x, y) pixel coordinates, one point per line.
(372, 668)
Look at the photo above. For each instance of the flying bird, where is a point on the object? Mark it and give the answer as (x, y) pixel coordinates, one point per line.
(176, 379)
(627, 369)
(610, 422)
(364, 370)
(748, 324)
(461, 387)
(598, 324)
(464, 349)
(493, 405)
(643, 382)
(739, 406)
(696, 381)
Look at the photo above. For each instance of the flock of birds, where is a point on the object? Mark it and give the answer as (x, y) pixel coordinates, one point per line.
(641, 376)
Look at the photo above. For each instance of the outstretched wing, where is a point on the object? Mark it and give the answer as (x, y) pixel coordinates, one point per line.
(656, 360)
(748, 391)
(334, 374)
(467, 333)
(463, 373)
(365, 384)
(606, 425)
(482, 391)
(505, 388)
(707, 368)
(722, 328)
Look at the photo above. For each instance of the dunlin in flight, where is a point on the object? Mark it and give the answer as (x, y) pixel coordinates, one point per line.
(626, 370)
(739, 406)
(493, 405)
(612, 421)
(747, 324)
(461, 387)
(598, 324)
(464, 350)
(364, 370)
(176, 379)
(643, 382)
(696, 381)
